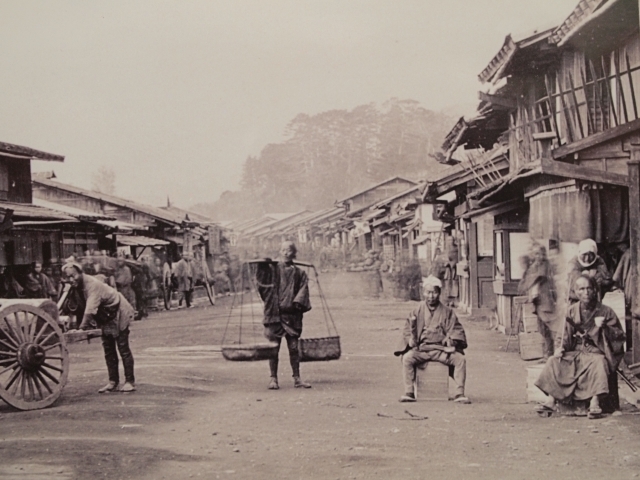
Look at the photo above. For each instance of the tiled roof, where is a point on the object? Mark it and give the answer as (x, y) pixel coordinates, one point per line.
(19, 151)
(580, 14)
(155, 212)
(34, 212)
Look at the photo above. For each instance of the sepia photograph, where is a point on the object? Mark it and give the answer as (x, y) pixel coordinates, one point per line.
(319, 239)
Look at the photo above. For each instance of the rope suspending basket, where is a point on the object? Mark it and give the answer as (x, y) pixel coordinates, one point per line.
(245, 316)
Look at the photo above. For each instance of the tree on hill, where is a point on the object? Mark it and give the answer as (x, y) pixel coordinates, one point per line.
(103, 180)
(329, 155)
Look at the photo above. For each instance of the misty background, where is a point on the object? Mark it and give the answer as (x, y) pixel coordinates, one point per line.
(188, 100)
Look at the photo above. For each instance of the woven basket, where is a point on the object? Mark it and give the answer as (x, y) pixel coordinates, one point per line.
(319, 349)
(250, 352)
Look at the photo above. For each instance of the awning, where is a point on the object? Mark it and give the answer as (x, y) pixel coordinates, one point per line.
(121, 226)
(78, 213)
(29, 212)
(140, 241)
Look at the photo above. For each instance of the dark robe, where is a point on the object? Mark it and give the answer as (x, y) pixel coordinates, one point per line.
(284, 289)
(537, 283)
(426, 328)
(590, 355)
(124, 278)
(38, 285)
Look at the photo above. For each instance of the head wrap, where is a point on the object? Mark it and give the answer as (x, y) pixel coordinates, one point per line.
(587, 246)
(75, 265)
(432, 281)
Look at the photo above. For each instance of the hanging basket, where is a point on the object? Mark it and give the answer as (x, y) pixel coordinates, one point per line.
(250, 352)
(319, 349)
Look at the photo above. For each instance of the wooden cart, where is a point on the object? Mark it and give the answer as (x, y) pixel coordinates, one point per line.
(34, 360)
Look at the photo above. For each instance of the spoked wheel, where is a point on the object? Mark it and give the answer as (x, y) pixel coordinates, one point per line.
(210, 291)
(34, 360)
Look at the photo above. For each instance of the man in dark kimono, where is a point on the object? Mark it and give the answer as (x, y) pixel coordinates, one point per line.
(284, 289)
(589, 350)
(433, 334)
(113, 314)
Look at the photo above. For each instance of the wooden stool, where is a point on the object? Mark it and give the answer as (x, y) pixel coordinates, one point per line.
(432, 383)
(534, 394)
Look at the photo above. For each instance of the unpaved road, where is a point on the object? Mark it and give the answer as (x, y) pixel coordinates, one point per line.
(196, 415)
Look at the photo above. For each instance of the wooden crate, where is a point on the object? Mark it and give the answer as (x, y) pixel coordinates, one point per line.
(432, 383)
(534, 394)
(531, 345)
(529, 318)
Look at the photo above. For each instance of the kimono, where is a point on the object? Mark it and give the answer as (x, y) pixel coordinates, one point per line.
(124, 278)
(38, 285)
(183, 274)
(537, 283)
(425, 328)
(590, 355)
(284, 289)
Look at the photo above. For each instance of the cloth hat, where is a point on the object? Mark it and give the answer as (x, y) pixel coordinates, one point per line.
(75, 265)
(432, 281)
(587, 246)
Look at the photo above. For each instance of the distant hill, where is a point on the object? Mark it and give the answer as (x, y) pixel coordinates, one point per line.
(327, 156)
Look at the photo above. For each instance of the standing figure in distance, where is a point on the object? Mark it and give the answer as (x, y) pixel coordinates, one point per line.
(433, 334)
(124, 279)
(184, 275)
(284, 289)
(111, 311)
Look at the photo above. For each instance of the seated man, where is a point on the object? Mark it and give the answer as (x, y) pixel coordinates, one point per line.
(433, 334)
(589, 350)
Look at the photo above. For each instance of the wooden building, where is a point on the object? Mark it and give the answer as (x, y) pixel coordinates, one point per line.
(357, 208)
(35, 233)
(552, 156)
(183, 230)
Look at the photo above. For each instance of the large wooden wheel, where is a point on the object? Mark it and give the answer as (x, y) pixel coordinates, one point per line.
(34, 360)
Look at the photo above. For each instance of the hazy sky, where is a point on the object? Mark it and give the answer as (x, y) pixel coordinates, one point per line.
(174, 95)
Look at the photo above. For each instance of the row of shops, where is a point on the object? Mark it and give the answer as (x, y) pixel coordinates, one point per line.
(551, 158)
(388, 217)
(46, 221)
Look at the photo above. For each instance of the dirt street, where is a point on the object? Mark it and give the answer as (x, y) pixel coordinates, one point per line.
(196, 415)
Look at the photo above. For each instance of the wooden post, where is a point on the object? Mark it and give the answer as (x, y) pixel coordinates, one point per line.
(634, 240)
(473, 266)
